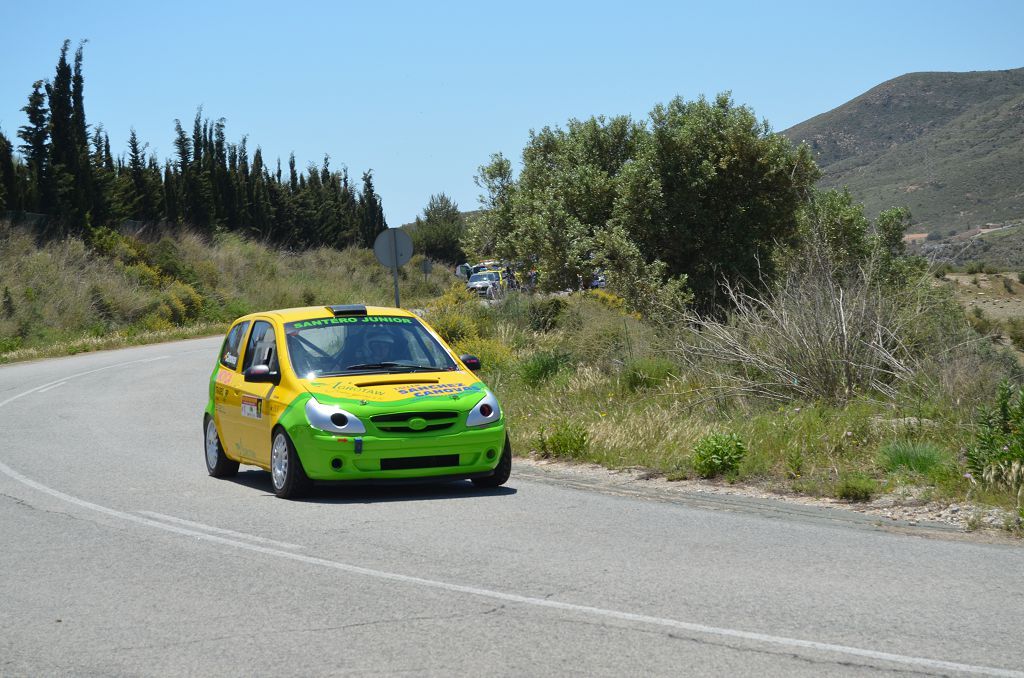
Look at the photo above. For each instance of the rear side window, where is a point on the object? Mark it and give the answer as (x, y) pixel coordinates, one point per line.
(232, 344)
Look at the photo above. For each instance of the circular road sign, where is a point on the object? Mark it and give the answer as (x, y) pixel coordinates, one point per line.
(393, 247)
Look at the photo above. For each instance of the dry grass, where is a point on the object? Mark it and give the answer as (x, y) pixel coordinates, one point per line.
(62, 296)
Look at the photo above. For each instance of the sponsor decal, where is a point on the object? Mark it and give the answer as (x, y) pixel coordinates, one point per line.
(230, 360)
(223, 377)
(350, 388)
(252, 407)
(438, 389)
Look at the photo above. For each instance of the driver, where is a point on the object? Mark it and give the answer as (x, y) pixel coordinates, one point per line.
(380, 346)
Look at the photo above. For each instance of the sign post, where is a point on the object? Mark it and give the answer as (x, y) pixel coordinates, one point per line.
(393, 248)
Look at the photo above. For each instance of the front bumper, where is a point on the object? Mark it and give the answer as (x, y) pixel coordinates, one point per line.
(329, 456)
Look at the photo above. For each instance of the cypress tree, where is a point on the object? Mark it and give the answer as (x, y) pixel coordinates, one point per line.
(371, 214)
(10, 198)
(87, 201)
(61, 192)
(36, 146)
(102, 179)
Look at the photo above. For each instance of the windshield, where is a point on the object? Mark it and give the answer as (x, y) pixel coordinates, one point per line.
(483, 277)
(363, 344)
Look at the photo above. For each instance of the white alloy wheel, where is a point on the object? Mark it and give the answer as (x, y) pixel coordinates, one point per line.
(212, 445)
(279, 461)
(218, 464)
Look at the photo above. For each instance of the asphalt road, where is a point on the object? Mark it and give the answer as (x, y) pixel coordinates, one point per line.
(120, 556)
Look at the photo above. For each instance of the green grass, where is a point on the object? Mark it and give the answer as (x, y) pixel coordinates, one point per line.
(856, 487)
(921, 457)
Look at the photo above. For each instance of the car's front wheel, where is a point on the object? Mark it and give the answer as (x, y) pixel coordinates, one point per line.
(286, 473)
(217, 463)
(501, 472)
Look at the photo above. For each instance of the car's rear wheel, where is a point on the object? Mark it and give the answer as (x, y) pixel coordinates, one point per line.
(217, 463)
(286, 473)
(501, 472)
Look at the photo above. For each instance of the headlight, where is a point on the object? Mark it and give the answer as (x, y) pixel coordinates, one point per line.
(332, 418)
(486, 411)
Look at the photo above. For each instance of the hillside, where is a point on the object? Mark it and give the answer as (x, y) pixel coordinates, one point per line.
(950, 146)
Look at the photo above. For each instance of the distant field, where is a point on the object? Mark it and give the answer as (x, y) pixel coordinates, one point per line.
(999, 295)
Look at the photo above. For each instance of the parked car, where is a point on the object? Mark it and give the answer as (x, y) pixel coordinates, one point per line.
(489, 284)
(350, 394)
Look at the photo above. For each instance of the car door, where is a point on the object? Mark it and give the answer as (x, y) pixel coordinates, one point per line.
(253, 412)
(227, 390)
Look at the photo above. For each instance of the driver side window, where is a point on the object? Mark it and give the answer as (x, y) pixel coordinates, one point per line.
(262, 347)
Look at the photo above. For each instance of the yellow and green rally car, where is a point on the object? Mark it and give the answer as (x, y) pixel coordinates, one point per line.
(350, 393)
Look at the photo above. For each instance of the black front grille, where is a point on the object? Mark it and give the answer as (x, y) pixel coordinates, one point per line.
(405, 416)
(399, 421)
(403, 463)
(407, 429)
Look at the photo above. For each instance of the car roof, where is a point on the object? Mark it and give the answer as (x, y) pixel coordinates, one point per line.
(290, 315)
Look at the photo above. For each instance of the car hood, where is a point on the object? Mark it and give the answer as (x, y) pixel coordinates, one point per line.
(448, 389)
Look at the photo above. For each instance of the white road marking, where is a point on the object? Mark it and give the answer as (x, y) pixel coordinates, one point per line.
(782, 641)
(52, 386)
(218, 530)
(65, 379)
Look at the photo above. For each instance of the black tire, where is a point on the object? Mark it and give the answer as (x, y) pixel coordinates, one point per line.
(501, 472)
(289, 479)
(217, 463)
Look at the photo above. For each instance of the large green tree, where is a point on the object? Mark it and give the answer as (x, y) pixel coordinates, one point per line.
(701, 192)
(438, 233)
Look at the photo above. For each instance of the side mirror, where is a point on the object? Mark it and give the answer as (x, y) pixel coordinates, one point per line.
(261, 374)
(471, 361)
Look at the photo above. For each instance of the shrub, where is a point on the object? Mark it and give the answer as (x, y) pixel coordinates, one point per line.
(718, 454)
(541, 366)
(608, 299)
(1008, 285)
(974, 267)
(494, 355)
(1015, 330)
(855, 487)
(997, 457)
(166, 257)
(980, 322)
(454, 326)
(643, 373)
(919, 457)
(565, 439)
(545, 313)
(7, 305)
(1020, 277)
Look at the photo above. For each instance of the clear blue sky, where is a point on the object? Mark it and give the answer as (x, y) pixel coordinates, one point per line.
(424, 92)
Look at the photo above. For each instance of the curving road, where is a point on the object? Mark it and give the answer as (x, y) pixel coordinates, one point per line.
(121, 557)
